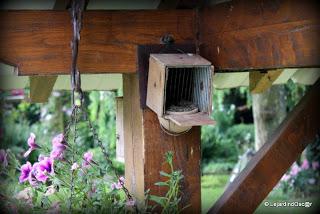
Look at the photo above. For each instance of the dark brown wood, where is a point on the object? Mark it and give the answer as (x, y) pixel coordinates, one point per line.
(38, 42)
(261, 34)
(265, 169)
(187, 156)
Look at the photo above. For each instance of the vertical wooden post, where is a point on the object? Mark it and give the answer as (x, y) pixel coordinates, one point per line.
(146, 144)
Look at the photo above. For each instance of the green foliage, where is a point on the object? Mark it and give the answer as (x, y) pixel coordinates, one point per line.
(170, 202)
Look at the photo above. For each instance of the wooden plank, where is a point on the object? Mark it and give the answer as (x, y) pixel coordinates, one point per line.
(119, 130)
(38, 42)
(261, 81)
(146, 144)
(41, 88)
(265, 169)
(197, 119)
(244, 35)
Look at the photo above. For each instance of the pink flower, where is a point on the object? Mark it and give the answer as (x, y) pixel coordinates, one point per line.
(119, 184)
(130, 203)
(3, 158)
(26, 170)
(315, 165)
(58, 147)
(43, 168)
(32, 144)
(305, 164)
(295, 170)
(116, 186)
(285, 178)
(311, 181)
(87, 159)
(74, 166)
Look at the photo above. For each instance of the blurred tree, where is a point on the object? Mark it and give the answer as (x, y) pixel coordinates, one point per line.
(269, 109)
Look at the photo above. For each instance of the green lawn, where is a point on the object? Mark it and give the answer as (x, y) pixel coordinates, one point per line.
(212, 187)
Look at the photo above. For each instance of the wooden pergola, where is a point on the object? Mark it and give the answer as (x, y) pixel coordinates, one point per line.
(234, 36)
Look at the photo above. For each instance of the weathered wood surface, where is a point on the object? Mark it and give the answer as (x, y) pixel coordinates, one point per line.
(187, 156)
(240, 35)
(38, 42)
(265, 169)
(146, 144)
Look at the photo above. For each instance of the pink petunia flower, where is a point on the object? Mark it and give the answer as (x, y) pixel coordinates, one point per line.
(315, 165)
(130, 203)
(119, 184)
(43, 168)
(305, 164)
(285, 178)
(32, 144)
(74, 166)
(3, 158)
(26, 170)
(295, 169)
(87, 157)
(58, 147)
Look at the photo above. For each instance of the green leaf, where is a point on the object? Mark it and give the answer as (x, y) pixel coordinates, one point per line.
(158, 199)
(165, 174)
(161, 184)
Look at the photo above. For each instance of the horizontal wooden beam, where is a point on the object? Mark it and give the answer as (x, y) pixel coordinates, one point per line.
(38, 42)
(265, 169)
(243, 35)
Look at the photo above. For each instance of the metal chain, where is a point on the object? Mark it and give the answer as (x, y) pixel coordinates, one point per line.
(77, 8)
(76, 15)
(105, 153)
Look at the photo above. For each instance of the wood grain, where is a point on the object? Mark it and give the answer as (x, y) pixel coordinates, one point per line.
(38, 42)
(187, 153)
(265, 169)
(262, 34)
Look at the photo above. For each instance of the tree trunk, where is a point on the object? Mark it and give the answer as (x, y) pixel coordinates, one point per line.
(269, 109)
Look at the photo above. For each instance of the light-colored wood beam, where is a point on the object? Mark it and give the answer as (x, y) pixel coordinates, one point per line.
(259, 82)
(41, 88)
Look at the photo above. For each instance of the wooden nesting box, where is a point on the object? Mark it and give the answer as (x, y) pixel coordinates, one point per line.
(180, 88)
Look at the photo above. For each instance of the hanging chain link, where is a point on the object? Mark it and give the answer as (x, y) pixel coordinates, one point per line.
(77, 8)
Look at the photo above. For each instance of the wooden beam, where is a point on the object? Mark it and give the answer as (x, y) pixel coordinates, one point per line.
(261, 81)
(265, 169)
(38, 42)
(41, 88)
(245, 35)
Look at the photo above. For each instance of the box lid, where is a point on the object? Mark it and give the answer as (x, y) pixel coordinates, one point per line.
(180, 60)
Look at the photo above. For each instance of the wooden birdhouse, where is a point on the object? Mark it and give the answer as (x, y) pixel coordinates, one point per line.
(180, 90)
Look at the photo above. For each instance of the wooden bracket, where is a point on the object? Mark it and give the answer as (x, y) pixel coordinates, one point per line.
(261, 81)
(41, 88)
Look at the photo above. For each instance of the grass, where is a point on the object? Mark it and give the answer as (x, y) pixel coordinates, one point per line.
(212, 187)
